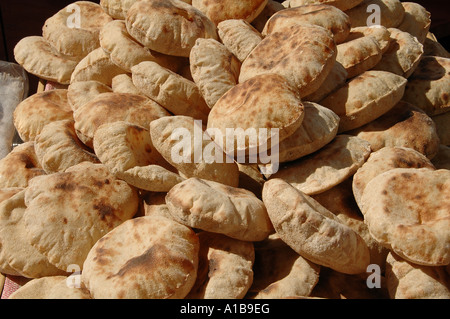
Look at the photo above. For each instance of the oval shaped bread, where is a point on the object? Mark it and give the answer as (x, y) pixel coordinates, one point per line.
(381, 34)
(417, 20)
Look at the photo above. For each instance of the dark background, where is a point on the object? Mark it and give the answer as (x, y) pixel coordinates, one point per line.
(21, 18)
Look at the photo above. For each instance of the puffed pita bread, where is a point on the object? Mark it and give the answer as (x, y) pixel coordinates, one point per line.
(217, 208)
(128, 152)
(417, 20)
(168, 26)
(312, 231)
(123, 83)
(76, 35)
(84, 199)
(390, 13)
(383, 160)
(225, 268)
(264, 102)
(343, 5)
(214, 69)
(381, 34)
(405, 125)
(334, 80)
(58, 147)
(428, 86)
(406, 210)
(17, 256)
(442, 158)
(79, 93)
(280, 272)
(406, 280)
(165, 140)
(117, 8)
(113, 107)
(365, 97)
(271, 7)
(177, 94)
(124, 264)
(239, 37)
(326, 16)
(443, 130)
(39, 58)
(403, 55)
(304, 55)
(221, 10)
(96, 66)
(319, 127)
(52, 287)
(20, 166)
(329, 166)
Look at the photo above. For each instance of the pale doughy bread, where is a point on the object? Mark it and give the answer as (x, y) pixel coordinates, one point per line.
(329, 166)
(390, 13)
(58, 147)
(304, 55)
(214, 69)
(174, 92)
(168, 26)
(312, 231)
(381, 34)
(343, 5)
(217, 208)
(79, 93)
(417, 20)
(123, 83)
(334, 80)
(428, 86)
(221, 10)
(225, 268)
(85, 199)
(239, 37)
(365, 98)
(68, 38)
(52, 287)
(124, 264)
(406, 280)
(213, 166)
(39, 58)
(442, 128)
(406, 210)
(117, 8)
(405, 125)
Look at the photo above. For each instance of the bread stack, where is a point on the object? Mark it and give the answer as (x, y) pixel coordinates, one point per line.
(112, 180)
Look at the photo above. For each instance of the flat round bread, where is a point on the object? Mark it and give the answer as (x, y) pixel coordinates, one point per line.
(221, 10)
(388, 13)
(85, 199)
(381, 34)
(304, 55)
(168, 26)
(312, 231)
(417, 20)
(406, 209)
(74, 30)
(79, 93)
(343, 5)
(39, 58)
(124, 264)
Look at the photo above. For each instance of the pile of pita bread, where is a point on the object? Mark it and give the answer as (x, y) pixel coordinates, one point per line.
(359, 207)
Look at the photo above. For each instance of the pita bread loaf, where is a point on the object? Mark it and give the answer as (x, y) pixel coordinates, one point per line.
(221, 10)
(85, 199)
(381, 34)
(329, 17)
(168, 26)
(117, 8)
(343, 5)
(390, 13)
(428, 86)
(443, 131)
(217, 208)
(264, 102)
(406, 210)
(312, 231)
(39, 58)
(20, 166)
(51, 287)
(405, 125)
(177, 94)
(365, 98)
(165, 135)
(271, 7)
(327, 167)
(17, 256)
(79, 93)
(403, 55)
(334, 80)
(442, 158)
(113, 107)
(74, 30)
(417, 20)
(383, 160)
(224, 268)
(124, 264)
(214, 69)
(280, 272)
(304, 55)
(58, 147)
(406, 280)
